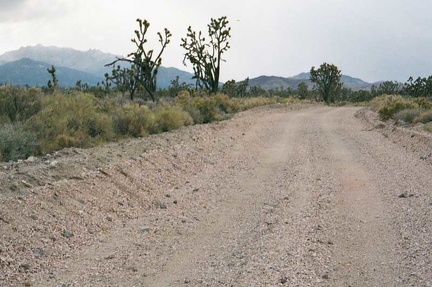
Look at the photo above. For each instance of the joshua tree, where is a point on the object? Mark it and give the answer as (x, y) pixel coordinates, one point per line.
(206, 57)
(52, 85)
(327, 81)
(144, 63)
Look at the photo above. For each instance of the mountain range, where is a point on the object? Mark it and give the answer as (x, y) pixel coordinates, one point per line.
(34, 73)
(28, 66)
(91, 61)
(274, 82)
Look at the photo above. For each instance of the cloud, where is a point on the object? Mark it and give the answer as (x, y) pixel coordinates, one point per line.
(8, 5)
(9, 9)
(371, 39)
(18, 11)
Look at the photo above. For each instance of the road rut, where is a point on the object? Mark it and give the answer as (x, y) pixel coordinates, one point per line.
(302, 198)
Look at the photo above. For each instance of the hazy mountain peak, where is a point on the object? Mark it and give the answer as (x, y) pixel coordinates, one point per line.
(26, 71)
(273, 82)
(302, 76)
(88, 66)
(91, 61)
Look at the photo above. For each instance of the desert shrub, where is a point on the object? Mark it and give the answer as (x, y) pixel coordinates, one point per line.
(184, 100)
(378, 102)
(16, 142)
(408, 115)
(225, 104)
(65, 140)
(251, 103)
(387, 106)
(169, 118)
(19, 104)
(423, 103)
(425, 117)
(133, 120)
(208, 108)
(77, 119)
(203, 109)
(71, 121)
(195, 114)
(428, 127)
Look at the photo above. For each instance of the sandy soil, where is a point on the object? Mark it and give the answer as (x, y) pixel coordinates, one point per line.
(281, 196)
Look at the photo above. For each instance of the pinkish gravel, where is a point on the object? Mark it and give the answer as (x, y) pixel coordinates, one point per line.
(281, 196)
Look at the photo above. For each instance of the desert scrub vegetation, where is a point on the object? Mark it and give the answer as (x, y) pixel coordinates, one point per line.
(424, 117)
(16, 142)
(17, 104)
(408, 115)
(388, 105)
(33, 122)
(75, 120)
(206, 109)
(168, 118)
(407, 110)
(132, 119)
(428, 127)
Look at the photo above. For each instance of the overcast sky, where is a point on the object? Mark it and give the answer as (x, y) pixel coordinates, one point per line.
(369, 39)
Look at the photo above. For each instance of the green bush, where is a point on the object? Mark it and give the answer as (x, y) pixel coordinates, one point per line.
(408, 115)
(225, 104)
(169, 118)
(71, 121)
(33, 122)
(183, 99)
(378, 102)
(208, 108)
(425, 117)
(250, 103)
(19, 104)
(195, 114)
(16, 142)
(133, 120)
(388, 105)
(203, 109)
(423, 103)
(428, 127)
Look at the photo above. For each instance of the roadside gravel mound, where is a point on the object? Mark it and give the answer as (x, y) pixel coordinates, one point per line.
(54, 205)
(302, 195)
(411, 137)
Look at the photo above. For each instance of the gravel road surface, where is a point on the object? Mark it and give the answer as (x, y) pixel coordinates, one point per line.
(315, 196)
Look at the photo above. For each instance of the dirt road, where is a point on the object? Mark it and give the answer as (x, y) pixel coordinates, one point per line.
(311, 197)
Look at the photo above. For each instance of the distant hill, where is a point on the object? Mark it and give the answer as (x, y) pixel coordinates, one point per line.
(273, 82)
(90, 63)
(34, 73)
(166, 75)
(302, 76)
(89, 67)
(355, 84)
